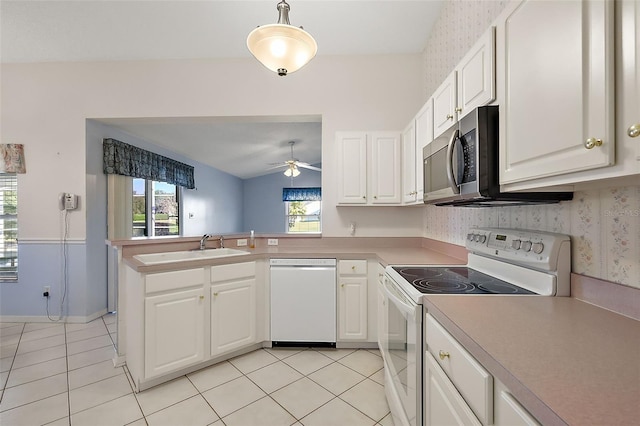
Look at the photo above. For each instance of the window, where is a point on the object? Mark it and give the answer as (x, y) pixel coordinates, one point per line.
(162, 200)
(8, 227)
(303, 208)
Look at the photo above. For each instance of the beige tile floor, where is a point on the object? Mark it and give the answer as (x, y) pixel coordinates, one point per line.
(62, 374)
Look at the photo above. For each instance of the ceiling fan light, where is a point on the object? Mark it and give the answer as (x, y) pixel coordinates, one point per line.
(292, 171)
(281, 47)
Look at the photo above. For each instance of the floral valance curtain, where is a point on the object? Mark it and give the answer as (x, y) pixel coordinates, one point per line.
(301, 194)
(123, 159)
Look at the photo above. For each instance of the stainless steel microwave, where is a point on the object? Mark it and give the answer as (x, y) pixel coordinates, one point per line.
(461, 167)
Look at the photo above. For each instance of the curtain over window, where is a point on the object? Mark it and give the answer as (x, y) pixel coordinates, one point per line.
(301, 194)
(123, 159)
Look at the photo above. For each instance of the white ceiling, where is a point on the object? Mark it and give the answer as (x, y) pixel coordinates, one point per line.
(86, 30)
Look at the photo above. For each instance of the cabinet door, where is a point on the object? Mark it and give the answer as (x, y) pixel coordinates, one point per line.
(385, 184)
(443, 405)
(424, 136)
(233, 315)
(629, 76)
(557, 112)
(409, 164)
(444, 105)
(352, 167)
(174, 331)
(476, 75)
(352, 308)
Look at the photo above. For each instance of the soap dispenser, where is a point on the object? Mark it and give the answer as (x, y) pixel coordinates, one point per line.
(252, 240)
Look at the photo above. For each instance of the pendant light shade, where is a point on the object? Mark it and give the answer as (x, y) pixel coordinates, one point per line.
(281, 47)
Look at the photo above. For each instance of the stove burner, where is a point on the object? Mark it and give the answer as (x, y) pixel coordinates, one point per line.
(456, 280)
(423, 273)
(442, 286)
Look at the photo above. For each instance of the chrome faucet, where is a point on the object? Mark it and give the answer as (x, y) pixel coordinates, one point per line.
(221, 241)
(203, 240)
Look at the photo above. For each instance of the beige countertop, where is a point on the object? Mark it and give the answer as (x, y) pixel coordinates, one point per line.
(566, 361)
(388, 251)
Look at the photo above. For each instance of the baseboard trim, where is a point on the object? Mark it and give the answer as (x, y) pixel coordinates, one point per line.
(43, 318)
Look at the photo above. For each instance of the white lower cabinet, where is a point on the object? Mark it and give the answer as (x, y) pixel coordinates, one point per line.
(507, 410)
(174, 318)
(352, 300)
(459, 391)
(443, 404)
(473, 384)
(233, 307)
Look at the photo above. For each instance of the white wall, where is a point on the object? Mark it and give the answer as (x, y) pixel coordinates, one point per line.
(45, 107)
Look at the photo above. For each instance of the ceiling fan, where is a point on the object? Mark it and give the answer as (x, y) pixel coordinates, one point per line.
(292, 165)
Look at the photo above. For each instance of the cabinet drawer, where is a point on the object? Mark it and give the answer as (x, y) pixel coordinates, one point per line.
(173, 280)
(352, 267)
(232, 271)
(470, 378)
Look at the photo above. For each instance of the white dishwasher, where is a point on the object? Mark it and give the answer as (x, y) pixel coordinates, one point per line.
(303, 302)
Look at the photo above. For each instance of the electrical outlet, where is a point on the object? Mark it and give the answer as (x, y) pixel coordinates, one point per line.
(241, 243)
(46, 291)
(272, 242)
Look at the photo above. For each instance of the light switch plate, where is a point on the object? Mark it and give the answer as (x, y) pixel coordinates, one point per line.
(272, 242)
(241, 243)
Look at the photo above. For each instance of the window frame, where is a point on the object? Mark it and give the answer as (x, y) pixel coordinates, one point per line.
(11, 275)
(287, 219)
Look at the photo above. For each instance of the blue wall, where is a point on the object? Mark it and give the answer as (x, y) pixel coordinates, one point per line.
(263, 206)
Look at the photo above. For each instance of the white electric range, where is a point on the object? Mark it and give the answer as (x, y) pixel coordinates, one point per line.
(501, 262)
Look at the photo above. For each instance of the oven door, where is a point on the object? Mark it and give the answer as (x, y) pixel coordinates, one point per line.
(401, 347)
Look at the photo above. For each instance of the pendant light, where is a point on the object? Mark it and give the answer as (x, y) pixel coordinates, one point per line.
(281, 47)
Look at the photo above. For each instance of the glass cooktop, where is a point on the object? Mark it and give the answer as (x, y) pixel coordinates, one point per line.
(455, 280)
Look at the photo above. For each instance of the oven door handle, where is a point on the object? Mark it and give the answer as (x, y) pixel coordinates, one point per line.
(402, 305)
(450, 174)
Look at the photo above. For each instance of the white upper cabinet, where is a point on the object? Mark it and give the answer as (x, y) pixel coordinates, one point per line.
(409, 191)
(470, 85)
(424, 136)
(556, 88)
(369, 165)
(628, 76)
(476, 75)
(444, 105)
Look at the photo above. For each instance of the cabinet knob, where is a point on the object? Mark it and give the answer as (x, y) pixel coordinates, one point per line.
(364, 197)
(592, 143)
(449, 116)
(215, 294)
(443, 355)
(201, 297)
(342, 285)
(634, 131)
(458, 109)
(375, 197)
(353, 268)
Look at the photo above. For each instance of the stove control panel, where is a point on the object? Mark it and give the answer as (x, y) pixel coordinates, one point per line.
(533, 248)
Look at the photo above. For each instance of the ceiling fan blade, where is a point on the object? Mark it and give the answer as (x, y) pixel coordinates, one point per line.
(310, 167)
(278, 166)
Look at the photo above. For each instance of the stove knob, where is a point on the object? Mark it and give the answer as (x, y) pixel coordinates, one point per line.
(477, 238)
(537, 248)
(526, 245)
(515, 244)
(483, 238)
(470, 237)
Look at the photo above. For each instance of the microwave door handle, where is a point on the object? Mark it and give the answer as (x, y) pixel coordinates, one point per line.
(450, 175)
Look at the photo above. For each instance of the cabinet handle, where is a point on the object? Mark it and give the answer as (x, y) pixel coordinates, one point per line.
(353, 268)
(449, 116)
(342, 285)
(375, 197)
(215, 294)
(364, 197)
(592, 143)
(201, 297)
(443, 355)
(634, 131)
(458, 109)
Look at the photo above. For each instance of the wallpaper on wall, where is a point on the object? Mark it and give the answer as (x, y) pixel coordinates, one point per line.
(604, 226)
(460, 25)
